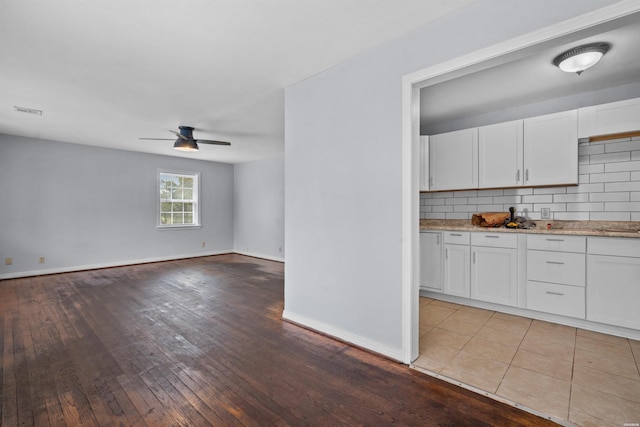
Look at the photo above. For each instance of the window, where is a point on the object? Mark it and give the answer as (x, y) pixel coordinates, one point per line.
(178, 199)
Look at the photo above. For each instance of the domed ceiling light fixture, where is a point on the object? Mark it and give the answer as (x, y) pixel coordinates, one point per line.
(580, 58)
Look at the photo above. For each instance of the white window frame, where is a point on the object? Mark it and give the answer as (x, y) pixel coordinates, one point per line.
(195, 201)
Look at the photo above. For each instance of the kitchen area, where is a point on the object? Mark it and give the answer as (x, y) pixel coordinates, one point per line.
(530, 238)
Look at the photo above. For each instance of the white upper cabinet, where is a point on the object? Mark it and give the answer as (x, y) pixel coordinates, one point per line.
(453, 160)
(605, 119)
(500, 155)
(551, 149)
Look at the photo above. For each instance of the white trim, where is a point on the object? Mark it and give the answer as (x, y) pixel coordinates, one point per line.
(343, 335)
(71, 269)
(410, 97)
(261, 256)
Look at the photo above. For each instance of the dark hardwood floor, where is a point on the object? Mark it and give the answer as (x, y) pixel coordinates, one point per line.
(200, 342)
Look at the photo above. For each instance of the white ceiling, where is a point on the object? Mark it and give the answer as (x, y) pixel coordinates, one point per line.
(107, 73)
(526, 77)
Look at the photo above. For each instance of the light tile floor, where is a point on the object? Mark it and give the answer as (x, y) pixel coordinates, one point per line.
(587, 378)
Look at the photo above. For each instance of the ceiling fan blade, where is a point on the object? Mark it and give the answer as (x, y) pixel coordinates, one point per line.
(181, 136)
(208, 141)
(159, 139)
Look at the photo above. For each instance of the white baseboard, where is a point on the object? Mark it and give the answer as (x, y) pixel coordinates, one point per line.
(343, 335)
(123, 263)
(257, 255)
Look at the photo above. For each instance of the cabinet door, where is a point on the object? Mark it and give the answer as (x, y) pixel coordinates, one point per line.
(613, 290)
(453, 160)
(500, 155)
(551, 149)
(614, 117)
(456, 270)
(424, 163)
(431, 261)
(494, 275)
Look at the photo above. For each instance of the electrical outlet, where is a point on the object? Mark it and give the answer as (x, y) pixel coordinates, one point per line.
(8, 261)
(545, 213)
(41, 260)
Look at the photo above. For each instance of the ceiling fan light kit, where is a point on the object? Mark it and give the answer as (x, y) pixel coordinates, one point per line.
(580, 58)
(185, 145)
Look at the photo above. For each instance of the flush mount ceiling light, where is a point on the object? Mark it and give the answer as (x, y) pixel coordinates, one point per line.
(580, 58)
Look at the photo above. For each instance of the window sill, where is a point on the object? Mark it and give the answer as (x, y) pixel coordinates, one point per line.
(177, 227)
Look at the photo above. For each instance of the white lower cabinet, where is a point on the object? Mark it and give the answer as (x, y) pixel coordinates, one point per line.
(457, 254)
(431, 248)
(553, 298)
(494, 268)
(556, 274)
(613, 281)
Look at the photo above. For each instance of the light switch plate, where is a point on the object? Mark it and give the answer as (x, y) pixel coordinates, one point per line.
(545, 213)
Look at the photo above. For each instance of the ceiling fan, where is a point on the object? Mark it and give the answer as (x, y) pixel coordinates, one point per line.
(185, 141)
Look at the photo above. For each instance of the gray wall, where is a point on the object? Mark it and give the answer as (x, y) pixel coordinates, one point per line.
(259, 208)
(82, 206)
(343, 170)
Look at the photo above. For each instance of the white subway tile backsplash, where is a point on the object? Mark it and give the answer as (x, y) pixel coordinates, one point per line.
(597, 168)
(538, 198)
(466, 193)
(609, 197)
(480, 200)
(571, 216)
(623, 156)
(443, 209)
(575, 197)
(613, 147)
(434, 202)
(457, 216)
(610, 177)
(618, 167)
(491, 208)
(507, 200)
(554, 207)
(610, 216)
(623, 206)
(622, 186)
(465, 208)
(608, 190)
(517, 191)
(585, 207)
(487, 193)
(456, 201)
(587, 188)
(587, 149)
(550, 190)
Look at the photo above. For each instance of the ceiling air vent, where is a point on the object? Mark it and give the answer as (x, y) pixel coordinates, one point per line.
(27, 110)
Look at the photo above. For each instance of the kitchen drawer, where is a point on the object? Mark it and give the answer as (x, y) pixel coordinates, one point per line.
(457, 237)
(556, 299)
(556, 242)
(612, 246)
(556, 267)
(495, 240)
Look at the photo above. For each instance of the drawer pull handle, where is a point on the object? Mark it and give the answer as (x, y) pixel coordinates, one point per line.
(492, 237)
(555, 240)
(554, 293)
(455, 234)
(555, 262)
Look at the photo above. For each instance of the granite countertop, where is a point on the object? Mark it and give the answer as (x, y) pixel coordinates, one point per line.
(580, 228)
